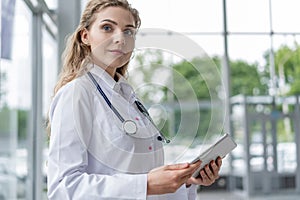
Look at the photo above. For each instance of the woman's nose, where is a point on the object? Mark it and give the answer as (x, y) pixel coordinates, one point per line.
(119, 38)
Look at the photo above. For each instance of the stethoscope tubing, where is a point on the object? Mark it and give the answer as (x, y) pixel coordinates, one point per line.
(128, 123)
(105, 98)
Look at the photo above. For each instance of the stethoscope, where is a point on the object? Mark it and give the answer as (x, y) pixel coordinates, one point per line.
(129, 126)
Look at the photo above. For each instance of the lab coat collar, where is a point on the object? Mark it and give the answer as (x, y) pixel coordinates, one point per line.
(121, 86)
(111, 83)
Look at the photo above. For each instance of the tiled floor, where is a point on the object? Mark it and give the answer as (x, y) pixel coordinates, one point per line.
(211, 195)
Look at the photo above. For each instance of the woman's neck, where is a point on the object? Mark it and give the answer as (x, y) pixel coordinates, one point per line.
(110, 70)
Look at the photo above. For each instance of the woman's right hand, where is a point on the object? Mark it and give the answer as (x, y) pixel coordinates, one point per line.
(168, 178)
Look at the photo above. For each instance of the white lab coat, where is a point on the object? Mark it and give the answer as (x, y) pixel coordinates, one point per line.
(90, 157)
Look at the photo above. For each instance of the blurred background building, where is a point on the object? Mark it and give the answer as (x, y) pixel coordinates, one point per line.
(237, 70)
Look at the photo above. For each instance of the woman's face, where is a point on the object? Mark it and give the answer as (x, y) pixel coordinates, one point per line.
(111, 38)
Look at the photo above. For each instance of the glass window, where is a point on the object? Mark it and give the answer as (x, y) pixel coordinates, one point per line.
(211, 44)
(248, 16)
(179, 16)
(249, 24)
(52, 4)
(83, 3)
(250, 48)
(50, 62)
(152, 15)
(34, 2)
(15, 103)
(195, 16)
(50, 69)
(286, 40)
(285, 15)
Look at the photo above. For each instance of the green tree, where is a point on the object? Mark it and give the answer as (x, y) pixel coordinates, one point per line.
(287, 63)
(2, 90)
(295, 77)
(246, 80)
(23, 116)
(193, 77)
(146, 66)
(7, 118)
(5, 123)
(287, 69)
(287, 72)
(188, 81)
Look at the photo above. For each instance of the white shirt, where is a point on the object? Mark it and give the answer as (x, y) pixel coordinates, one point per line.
(90, 156)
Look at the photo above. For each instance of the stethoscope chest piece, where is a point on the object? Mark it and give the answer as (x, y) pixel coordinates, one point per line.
(129, 127)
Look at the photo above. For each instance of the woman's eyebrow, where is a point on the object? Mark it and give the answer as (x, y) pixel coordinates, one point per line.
(115, 23)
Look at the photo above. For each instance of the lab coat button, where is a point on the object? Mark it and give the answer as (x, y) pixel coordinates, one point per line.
(117, 87)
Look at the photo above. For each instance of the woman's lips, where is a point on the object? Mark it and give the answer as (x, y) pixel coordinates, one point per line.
(117, 52)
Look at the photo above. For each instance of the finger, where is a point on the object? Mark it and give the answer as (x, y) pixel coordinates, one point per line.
(186, 173)
(183, 165)
(158, 168)
(196, 165)
(203, 176)
(207, 178)
(208, 172)
(193, 167)
(184, 179)
(197, 162)
(177, 166)
(214, 168)
(196, 181)
(219, 162)
(189, 179)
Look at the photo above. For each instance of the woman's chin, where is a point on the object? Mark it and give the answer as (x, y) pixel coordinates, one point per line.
(119, 62)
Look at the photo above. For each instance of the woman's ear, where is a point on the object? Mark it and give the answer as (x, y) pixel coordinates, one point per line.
(85, 36)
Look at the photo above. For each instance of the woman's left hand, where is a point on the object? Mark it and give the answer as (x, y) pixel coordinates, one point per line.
(208, 175)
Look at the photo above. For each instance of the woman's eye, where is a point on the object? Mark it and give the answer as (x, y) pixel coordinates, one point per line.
(128, 32)
(107, 28)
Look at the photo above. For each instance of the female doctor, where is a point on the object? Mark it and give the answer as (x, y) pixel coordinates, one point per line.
(103, 145)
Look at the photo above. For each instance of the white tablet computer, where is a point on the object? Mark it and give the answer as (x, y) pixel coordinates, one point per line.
(221, 148)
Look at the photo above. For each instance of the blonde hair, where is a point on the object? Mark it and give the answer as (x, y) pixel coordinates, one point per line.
(76, 55)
